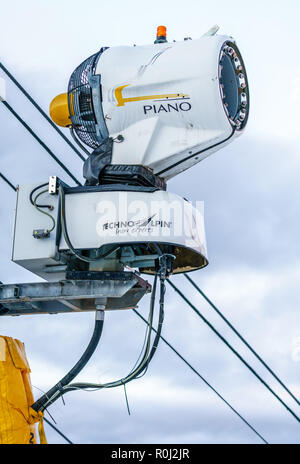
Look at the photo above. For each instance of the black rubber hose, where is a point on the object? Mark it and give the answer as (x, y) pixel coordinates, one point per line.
(143, 366)
(41, 402)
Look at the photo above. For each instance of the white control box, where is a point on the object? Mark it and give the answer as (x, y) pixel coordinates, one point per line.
(104, 216)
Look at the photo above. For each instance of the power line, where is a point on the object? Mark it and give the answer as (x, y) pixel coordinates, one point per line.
(204, 380)
(8, 182)
(14, 80)
(7, 105)
(241, 337)
(58, 431)
(233, 350)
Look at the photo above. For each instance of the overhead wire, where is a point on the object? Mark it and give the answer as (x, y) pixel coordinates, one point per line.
(241, 337)
(42, 112)
(204, 380)
(8, 182)
(38, 139)
(234, 351)
(58, 431)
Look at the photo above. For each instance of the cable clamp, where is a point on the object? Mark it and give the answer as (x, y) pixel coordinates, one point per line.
(166, 265)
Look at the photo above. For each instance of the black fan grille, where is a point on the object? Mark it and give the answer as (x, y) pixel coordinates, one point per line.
(81, 103)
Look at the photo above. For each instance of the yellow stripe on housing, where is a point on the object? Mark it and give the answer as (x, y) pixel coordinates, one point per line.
(121, 100)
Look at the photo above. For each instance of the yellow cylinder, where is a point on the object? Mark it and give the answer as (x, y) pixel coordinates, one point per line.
(59, 110)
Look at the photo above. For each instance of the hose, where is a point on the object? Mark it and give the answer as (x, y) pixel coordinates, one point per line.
(148, 353)
(42, 403)
(131, 376)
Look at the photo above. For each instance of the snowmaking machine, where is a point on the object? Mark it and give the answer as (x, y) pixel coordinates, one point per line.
(142, 115)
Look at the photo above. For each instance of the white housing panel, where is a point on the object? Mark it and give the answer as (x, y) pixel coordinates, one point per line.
(165, 100)
(97, 218)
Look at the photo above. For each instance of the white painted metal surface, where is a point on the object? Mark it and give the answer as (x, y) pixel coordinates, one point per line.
(99, 218)
(165, 100)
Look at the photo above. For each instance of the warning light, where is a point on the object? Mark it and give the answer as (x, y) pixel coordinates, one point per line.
(161, 35)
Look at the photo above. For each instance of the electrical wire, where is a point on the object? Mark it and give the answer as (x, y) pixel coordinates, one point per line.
(241, 337)
(204, 380)
(234, 351)
(160, 323)
(31, 196)
(14, 80)
(44, 212)
(8, 182)
(28, 128)
(144, 344)
(58, 431)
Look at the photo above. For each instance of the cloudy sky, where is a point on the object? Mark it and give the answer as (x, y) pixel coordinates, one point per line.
(251, 193)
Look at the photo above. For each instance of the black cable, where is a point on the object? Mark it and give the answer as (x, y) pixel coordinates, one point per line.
(143, 364)
(14, 80)
(31, 197)
(160, 324)
(40, 404)
(234, 351)
(241, 337)
(8, 182)
(58, 431)
(7, 105)
(204, 380)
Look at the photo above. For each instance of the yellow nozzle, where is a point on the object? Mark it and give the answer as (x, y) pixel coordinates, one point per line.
(59, 110)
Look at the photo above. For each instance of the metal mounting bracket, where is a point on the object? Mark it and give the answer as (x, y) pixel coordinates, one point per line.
(116, 290)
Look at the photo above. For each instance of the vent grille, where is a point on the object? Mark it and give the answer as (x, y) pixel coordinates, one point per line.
(81, 103)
